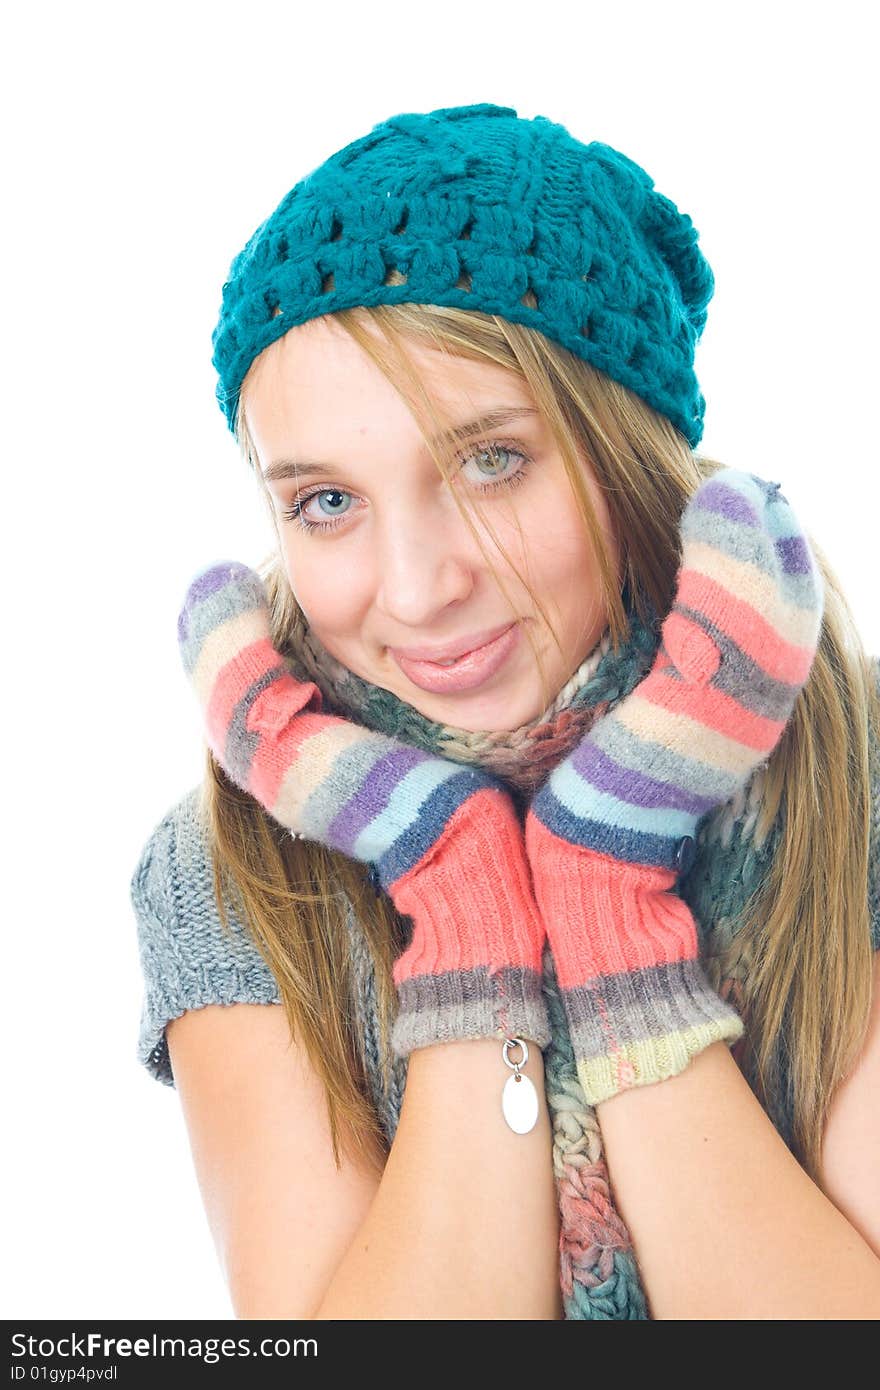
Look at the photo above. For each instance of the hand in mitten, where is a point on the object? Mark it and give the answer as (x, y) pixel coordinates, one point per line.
(444, 840)
(615, 823)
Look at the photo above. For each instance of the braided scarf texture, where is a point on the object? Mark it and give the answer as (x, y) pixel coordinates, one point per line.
(599, 1275)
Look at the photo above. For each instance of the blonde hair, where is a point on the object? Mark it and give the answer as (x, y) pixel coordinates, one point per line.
(804, 933)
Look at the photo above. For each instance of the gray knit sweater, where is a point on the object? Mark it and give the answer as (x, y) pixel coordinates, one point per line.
(189, 960)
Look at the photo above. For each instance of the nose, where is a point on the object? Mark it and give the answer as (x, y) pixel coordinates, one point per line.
(422, 569)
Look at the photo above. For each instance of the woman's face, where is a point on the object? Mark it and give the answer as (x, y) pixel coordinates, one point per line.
(379, 558)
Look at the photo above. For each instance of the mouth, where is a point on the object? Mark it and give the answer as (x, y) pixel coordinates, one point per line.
(464, 672)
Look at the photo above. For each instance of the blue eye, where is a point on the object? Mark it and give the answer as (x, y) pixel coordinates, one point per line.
(509, 479)
(331, 492)
(492, 453)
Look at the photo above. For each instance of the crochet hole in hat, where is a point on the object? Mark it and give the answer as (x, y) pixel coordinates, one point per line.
(393, 276)
(588, 277)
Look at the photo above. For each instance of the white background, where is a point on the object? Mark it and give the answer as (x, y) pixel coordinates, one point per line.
(144, 145)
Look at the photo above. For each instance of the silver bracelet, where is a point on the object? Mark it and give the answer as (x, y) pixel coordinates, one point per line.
(519, 1099)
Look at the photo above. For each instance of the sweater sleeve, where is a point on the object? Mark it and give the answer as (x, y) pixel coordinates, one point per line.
(187, 958)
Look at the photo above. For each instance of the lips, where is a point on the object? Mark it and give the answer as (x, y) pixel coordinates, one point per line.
(473, 668)
(452, 649)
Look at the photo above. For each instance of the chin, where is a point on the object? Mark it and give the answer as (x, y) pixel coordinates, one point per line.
(476, 712)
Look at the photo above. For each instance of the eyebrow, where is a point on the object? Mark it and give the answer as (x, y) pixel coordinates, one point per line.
(301, 468)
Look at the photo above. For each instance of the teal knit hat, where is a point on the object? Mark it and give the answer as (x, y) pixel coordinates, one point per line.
(483, 209)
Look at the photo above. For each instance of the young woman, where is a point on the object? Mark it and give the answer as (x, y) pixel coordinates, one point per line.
(542, 780)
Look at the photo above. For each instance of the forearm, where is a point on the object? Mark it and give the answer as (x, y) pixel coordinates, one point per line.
(465, 1224)
(725, 1222)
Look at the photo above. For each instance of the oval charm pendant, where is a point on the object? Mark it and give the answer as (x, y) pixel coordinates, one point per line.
(519, 1103)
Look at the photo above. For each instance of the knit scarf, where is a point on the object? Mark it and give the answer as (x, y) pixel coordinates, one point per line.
(599, 1275)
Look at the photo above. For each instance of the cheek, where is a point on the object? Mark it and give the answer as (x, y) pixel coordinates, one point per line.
(327, 594)
(561, 557)
(564, 567)
(570, 577)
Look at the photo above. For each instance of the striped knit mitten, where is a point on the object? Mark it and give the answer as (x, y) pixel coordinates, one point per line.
(444, 840)
(616, 821)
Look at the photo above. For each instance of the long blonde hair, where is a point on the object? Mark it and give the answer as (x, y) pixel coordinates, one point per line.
(805, 932)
